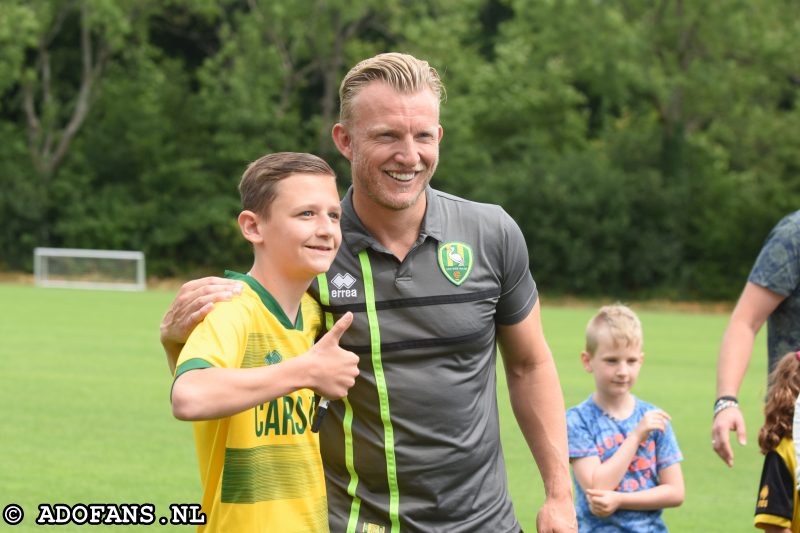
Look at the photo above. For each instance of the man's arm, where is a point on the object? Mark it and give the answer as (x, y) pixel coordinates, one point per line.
(669, 493)
(754, 306)
(538, 405)
(194, 301)
(607, 475)
(208, 393)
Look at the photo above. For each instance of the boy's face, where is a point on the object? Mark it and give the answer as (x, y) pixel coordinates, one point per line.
(615, 368)
(301, 229)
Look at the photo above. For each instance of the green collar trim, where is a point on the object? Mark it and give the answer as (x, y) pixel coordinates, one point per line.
(269, 301)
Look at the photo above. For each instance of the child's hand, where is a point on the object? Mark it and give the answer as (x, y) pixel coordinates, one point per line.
(602, 503)
(334, 370)
(652, 421)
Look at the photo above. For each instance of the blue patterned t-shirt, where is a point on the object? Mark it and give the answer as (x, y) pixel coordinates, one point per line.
(594, 433)
(778, 269)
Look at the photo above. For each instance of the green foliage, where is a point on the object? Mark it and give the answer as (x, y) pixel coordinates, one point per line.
(19, 26)
(644, 148)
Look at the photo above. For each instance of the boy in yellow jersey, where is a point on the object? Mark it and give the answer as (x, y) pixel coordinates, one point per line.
(247, 375)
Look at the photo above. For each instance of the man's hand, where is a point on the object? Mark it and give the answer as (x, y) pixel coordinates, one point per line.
(557, 516)
(194, 301)
(602, 503)
(727, 420)
(333, 369)
(655, 420)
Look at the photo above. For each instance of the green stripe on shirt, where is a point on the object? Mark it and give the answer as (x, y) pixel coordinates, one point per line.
(383, 393)
(347, 422)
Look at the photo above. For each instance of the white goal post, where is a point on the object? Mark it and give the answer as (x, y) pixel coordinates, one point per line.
(89, 269)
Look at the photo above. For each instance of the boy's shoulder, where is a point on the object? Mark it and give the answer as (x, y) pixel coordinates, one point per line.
(244, 303)
(641, 407)
(586, 405)
(586, 409)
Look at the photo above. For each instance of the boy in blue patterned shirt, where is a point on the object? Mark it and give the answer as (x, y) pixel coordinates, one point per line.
(624, 455)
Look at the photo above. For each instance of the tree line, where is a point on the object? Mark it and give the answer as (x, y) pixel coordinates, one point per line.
(644, 148)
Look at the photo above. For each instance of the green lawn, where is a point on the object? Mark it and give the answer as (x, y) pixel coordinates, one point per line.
(85, 396)
(84, 389)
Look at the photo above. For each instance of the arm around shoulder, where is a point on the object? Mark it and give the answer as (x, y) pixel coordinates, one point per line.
(194, 301)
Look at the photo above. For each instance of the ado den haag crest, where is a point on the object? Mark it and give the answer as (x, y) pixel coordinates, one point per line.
(455, 260)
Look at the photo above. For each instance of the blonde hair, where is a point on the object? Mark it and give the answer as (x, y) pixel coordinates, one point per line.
(258, 187)
(784, 386)
(620, 322)
(403, 72)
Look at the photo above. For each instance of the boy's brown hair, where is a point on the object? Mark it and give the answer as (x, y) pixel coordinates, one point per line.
(258, 185)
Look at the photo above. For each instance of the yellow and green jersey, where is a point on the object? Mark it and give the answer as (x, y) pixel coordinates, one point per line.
(261, 470)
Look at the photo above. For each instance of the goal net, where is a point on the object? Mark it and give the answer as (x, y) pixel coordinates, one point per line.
(89, 269)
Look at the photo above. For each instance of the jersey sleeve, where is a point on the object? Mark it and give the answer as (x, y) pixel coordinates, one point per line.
(518, 292)
(218, 341)
(775, 501)
(777, 267)
(667, 451)
(579, 435)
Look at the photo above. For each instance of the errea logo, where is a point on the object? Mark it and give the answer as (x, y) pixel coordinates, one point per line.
(343, 282)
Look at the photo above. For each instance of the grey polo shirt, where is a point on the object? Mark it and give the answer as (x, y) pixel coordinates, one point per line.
(416, 444)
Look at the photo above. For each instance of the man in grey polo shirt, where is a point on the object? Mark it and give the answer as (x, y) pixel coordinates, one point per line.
(434, 282)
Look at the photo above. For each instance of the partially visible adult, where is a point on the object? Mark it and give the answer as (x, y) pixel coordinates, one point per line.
(434, 282)
(772, 295)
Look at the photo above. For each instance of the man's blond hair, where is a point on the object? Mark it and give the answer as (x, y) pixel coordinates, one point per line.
(403, 72)
(621, 323)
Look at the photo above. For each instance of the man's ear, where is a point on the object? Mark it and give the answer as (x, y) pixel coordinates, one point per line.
(249, 224)
(585, 358)
(343, 140)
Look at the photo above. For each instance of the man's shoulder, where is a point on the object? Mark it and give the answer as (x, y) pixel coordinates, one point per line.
(792, 218)
(788, 228)
(451, 202)
(777, 266)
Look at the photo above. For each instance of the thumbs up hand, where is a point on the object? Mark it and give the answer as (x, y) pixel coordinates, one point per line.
(333, 370)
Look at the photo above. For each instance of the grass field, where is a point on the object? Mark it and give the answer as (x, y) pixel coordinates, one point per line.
(86, 418)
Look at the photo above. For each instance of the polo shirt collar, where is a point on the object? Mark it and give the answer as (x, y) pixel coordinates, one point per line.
(356, 237)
